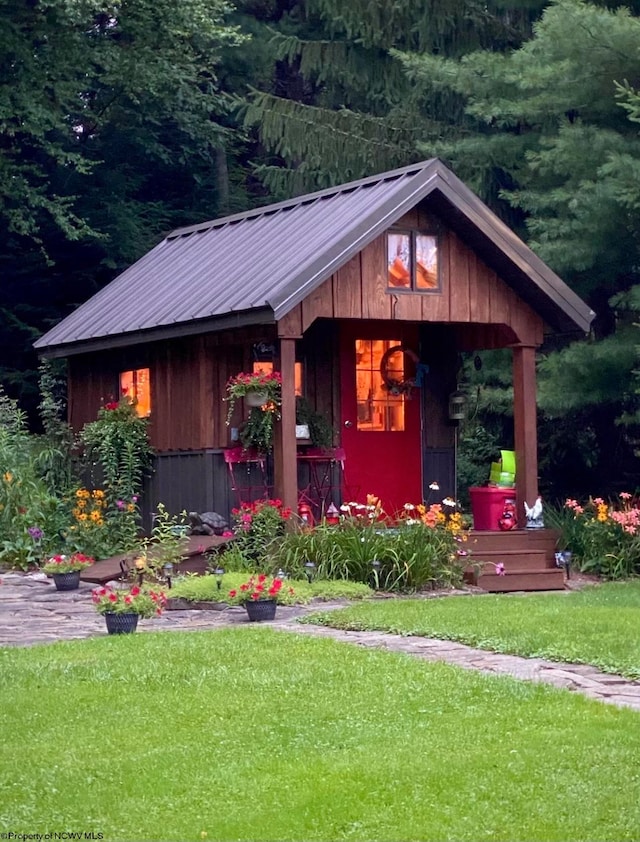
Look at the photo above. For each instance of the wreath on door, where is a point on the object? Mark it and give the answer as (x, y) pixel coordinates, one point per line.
(394, 385)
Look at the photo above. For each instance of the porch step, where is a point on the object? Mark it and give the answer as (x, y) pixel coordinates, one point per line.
(516, 539)
(539, 580)
(521, 560)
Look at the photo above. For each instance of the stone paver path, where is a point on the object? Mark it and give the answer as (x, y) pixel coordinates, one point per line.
(33, 611)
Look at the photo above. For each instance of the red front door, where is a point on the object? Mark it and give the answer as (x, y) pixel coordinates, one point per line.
(380, 417)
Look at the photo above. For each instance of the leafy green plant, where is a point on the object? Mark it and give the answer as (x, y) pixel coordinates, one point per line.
(168, 542)
(394, 557)
(118, 443)
(320, 429)
(604, 537)
(258, 528)
(257, 431)
(205, 589)
(31, 516)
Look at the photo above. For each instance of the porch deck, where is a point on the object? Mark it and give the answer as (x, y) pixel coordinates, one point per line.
(528, 559)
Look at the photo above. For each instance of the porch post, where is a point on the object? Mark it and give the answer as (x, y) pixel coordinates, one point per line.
(285, 464)
(525, 427)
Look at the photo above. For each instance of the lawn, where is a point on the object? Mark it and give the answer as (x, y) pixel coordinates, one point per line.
(252, 734)
(598, 625)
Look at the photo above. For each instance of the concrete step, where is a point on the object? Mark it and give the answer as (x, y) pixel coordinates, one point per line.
(526, 580)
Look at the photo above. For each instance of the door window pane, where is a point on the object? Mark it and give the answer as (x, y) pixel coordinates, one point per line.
(377, 409)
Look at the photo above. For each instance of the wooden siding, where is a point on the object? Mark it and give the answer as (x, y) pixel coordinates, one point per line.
(188, 378)
(470, 294)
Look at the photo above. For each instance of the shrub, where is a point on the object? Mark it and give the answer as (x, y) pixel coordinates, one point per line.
(258, 528)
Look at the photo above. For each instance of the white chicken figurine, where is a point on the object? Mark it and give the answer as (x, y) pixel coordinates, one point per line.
(534, 514)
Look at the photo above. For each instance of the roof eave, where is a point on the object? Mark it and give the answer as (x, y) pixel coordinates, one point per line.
(229, 321)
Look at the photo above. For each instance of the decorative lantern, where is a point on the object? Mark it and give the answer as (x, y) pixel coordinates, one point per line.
(332, 515)
(305, 513)
(457, 406)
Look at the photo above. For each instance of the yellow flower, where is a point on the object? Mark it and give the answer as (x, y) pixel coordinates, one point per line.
(140, 562)
(8, 477)
(95, 516)
(77, 513)
(81, 503)
(131, 507)
(82, 493)
(98, 494)
(82, 516)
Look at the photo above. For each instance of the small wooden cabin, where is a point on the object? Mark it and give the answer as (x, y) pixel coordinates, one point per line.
(363, 296)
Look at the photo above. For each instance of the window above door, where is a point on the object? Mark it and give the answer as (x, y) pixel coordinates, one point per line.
(412, 262)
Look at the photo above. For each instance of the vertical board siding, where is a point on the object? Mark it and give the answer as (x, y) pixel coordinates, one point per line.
(347, 290)
(459, 309)
(376, 302)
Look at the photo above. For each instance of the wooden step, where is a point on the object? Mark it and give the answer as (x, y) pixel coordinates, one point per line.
(534, 539)
(540, 580)
(514, 559)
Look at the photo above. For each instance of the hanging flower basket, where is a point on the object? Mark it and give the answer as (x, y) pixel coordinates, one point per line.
(256, 398)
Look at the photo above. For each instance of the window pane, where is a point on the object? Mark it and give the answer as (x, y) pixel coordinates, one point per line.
(136, 386)
(267, 368)
(426, 262)
(399, 260)
(377, 408)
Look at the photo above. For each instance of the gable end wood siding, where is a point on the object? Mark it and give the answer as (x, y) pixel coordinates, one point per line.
(471, 293)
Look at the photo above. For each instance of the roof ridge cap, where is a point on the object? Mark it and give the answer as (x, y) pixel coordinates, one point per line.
(303, 199)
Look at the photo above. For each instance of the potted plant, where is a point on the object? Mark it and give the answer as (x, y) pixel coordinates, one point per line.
(122, 608)
(319, 427)
(259, 595)
(66, 570)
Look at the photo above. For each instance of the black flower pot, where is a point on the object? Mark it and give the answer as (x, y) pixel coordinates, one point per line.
(260, 609)
(121, 623)
(67, 581)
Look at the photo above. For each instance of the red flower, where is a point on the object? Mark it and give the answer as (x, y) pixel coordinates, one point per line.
(233, 593)
(255, 596)
(261, 578)
(113, 597)
(244, 587)
(111, 405)
(135, 590)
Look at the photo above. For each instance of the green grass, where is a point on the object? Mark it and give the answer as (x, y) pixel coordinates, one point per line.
(251, 734)
(204, 588)
(597, 625)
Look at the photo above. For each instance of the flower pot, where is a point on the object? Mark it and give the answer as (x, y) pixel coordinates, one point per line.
(121, 623)
(67, 581)
(260, 609)
(256, 398)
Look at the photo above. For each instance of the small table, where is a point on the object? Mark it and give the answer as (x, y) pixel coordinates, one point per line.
(321, 463)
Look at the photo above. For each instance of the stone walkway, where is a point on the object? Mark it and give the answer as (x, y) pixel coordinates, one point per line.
(32, 611)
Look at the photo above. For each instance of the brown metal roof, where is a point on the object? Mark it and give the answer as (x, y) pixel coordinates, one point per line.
(256, 266)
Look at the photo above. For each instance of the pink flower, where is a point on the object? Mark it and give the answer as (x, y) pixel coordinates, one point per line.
(624, 495)
(500, 569)
(227, 533)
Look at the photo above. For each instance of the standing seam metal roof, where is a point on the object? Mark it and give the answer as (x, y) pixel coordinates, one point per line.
(271, 258)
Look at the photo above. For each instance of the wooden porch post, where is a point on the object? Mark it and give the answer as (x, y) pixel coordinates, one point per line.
(285, 464)
(525, 427)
